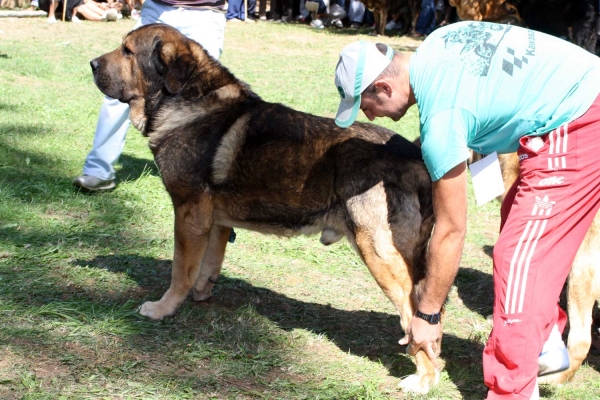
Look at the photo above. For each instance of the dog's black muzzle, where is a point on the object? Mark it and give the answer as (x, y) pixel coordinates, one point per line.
(95, 65)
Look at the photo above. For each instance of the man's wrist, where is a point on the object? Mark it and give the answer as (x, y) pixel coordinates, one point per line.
(433, 318)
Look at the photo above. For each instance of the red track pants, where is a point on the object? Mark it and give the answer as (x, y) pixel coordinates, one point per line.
(545, 217)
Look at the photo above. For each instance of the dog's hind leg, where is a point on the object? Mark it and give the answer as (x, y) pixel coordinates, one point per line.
(583, 288)
(387, 244)
(580, 307)
(193, 222)
(210, 268)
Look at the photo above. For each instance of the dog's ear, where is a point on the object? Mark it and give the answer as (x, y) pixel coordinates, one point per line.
(172, 61)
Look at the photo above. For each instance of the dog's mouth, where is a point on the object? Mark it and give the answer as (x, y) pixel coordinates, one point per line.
(127, 100)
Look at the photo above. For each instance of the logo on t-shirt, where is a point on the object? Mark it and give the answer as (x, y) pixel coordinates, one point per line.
(512, 60)
(480, 42)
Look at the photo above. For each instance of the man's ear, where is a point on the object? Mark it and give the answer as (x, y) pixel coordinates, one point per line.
(382, 86)
(173, 63)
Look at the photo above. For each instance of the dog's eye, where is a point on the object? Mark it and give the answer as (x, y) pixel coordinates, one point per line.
(127, 51)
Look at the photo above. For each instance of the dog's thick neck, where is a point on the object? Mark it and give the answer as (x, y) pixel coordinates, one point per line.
(208, 76)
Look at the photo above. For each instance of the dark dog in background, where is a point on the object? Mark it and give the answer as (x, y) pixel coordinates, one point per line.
(576, 20)
(408, 9)
(583, 285)
(571, 19)
(229, 159)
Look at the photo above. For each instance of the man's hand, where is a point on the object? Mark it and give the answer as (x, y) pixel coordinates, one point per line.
(422, 335)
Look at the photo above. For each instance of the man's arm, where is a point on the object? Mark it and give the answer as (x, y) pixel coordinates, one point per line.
(443, 258)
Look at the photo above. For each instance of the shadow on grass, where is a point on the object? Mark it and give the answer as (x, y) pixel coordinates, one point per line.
(488, 250)
(369, 334)
(8, 107)
(133, 168)
(476, 290)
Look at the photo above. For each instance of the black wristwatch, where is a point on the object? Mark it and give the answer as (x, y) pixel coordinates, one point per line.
(431, 318)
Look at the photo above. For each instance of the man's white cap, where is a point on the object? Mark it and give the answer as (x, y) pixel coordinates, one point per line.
(359, 65)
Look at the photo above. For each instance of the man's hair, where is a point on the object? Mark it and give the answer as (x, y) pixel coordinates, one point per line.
(391, 71)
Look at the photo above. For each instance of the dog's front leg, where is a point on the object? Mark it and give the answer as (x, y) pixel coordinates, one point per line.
(193, 221)
(212, 262)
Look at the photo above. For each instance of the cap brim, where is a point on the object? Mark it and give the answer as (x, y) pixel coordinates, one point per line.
(347, 112)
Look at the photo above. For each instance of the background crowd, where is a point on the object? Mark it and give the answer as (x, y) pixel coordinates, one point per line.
(91, 10)
(342, 13)
(316, 13)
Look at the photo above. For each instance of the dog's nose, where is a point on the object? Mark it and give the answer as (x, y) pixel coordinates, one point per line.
(94, 64)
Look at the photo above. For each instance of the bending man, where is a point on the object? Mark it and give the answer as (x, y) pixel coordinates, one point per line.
(491, 87)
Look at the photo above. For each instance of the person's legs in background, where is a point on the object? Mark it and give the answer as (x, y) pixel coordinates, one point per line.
(426, 20)
(262, 10)
(251, 10)
(286, 11)
(52, 12)
(207, 27)
(235, 10)
(109, 139)
(304, 13)
(356, 13)
(275, 10)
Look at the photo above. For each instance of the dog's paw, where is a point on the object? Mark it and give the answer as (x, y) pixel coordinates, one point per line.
(417, 384)
(203, 295)
(153, 309)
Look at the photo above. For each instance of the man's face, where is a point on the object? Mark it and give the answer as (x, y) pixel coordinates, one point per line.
(380, 103)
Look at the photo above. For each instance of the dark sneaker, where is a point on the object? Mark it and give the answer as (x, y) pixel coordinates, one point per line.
(554, 357)
(93, 184)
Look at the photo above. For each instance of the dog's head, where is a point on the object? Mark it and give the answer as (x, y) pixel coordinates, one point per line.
(151, 61)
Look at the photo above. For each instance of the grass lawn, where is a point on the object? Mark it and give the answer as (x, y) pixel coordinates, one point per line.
(290, 318)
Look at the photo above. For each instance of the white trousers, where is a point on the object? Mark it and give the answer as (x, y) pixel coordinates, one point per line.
(206, 27)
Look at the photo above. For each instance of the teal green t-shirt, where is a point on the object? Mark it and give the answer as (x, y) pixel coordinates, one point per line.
(482, 86)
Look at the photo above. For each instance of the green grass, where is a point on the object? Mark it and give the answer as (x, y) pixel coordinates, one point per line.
(289, 319)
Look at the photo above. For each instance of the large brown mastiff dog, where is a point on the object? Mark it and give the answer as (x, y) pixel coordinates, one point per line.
(230, 159)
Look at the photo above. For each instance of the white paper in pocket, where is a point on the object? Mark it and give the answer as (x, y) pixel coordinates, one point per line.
(487, 179)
